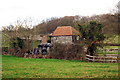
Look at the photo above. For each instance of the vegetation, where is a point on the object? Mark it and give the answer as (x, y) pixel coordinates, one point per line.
(21, 37)
(49, 40)
(108, 50)
(102, 53)
(17, 43)
(68, 52)
(110, 22)
(111, 47)
(5, 40)
(24, 30)
(14, 67)
(112, 39)
(91, 34)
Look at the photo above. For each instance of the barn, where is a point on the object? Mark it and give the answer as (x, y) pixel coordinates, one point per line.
(65, 35)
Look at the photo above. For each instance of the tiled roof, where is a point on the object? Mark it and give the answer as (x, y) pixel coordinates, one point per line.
(65, 30)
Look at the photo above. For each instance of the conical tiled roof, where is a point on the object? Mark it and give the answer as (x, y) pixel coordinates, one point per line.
(65, 30)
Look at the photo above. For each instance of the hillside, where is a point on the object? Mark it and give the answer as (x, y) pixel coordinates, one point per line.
(112, 39)
(109, 21)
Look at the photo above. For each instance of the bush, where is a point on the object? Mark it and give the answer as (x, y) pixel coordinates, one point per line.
(69, 52)
(49, 40)
(17, 44)
(5, 49)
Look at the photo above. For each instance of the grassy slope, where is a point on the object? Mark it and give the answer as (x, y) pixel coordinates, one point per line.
(112, 39)
(14, 67)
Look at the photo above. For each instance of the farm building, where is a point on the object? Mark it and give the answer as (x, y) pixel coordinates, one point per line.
(66, 35)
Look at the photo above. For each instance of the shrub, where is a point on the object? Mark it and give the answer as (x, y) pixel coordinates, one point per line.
(49, 40)
(5, 49)
(69, 52)
(17, 44)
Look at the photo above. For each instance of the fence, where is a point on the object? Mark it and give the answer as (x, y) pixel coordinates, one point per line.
(103, 58)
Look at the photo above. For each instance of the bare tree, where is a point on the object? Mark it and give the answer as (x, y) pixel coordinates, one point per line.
(21, 29)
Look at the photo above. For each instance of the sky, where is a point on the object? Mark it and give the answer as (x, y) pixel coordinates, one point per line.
(38, 10)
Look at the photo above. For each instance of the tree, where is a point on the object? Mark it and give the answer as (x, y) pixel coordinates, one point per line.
(92, 33)
(17, 44)
(20, 31)
(23, 30)
(48, 26)
(9, 30)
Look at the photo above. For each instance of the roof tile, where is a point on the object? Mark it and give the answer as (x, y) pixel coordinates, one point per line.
(65, 30)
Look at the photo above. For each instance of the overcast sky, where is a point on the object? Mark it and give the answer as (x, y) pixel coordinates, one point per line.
(13, 10)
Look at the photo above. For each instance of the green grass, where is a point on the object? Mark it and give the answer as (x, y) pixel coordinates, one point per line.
(102, 53)
(107, 48)
(112, 39)
(111, 47)
(14, 67)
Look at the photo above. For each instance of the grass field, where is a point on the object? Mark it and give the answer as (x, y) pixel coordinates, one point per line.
(14, 67)
(106, 48)
(111, 39)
